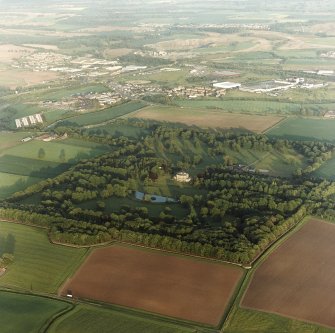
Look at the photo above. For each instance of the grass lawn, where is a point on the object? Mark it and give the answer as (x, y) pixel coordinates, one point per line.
(92, 319)
(305, 129)
(26, 313)
(38, 265)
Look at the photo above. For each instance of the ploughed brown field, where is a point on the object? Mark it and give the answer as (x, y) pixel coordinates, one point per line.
(298, 279)
(179, 287)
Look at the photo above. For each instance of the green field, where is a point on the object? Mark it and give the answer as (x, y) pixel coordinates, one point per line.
(106, 114)
(74, 150)
(27, 313)
(20, 164)
(11, 183)
(305, 129)
(65, 92)
(119, 128)
(254, 105)
(11, 139)
(54, 115)
(38, 265)
(23, 166)
(169, 78)
(91, 319)
(244, 320)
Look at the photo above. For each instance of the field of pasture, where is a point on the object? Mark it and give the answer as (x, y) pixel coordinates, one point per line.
(305, 129)
(27, 313)
(22, 164)
(92, 319)
(105, 115)
(38, 265)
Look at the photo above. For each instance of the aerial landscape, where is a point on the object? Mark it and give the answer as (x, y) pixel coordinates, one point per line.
(167, 166)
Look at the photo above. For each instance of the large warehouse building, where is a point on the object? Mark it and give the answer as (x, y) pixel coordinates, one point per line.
(227, 85)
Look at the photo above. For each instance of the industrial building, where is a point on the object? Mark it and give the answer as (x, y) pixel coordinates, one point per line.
(227, 85)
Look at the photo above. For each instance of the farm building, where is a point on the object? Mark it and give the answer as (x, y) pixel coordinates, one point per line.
(325, 72)
(29, 120)
(182, 177)
(28, 138)
(268, 86)
(227, 85)
(18, 123)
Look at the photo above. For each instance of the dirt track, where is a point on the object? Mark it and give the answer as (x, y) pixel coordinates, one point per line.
(297, 280)
(174, 286)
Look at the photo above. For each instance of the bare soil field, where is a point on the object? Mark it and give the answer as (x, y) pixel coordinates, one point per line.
(179, 287)
(297, 279)
(13, 79)
(9, 52)
(326, 28)
(209, 118)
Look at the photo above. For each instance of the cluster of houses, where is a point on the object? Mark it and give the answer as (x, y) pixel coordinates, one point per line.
(28, 121)
(42, 61)
(73, 67)
(195, 92)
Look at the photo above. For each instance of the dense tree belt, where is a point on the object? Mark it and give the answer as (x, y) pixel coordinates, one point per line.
(233, 213)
